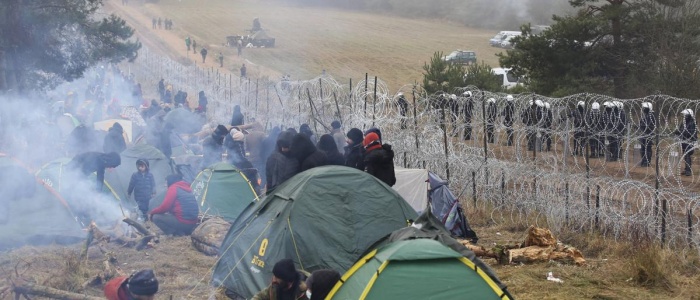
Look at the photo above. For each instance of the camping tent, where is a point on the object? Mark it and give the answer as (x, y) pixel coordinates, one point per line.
(427, 226)
(325, 217)
(118, 178)
(30, 211)
(420, 187)
(415, 269)
(222, 190)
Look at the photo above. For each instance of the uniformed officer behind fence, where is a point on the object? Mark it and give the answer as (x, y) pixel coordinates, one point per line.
(647, 126)
(579, 116)
(687, 132)
(467, 114)
(508, 118)
(596, 125)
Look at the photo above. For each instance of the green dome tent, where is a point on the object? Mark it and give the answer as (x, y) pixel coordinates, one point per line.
(118, 178)
(325, 217)
(221, 190)
(415, 269)
(31, 212)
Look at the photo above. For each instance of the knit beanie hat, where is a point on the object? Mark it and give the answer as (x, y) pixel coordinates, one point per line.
(321, 282)
(335, 124)
(220, 131)
(285, 270)
(375, 130)
(355, 135)
(143, 283)
(370, 139)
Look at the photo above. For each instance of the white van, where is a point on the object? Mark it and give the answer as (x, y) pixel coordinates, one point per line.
(507, 78)
(497, 39)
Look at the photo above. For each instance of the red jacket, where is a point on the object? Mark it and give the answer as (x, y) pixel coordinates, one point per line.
(116, 289)
(180, 202)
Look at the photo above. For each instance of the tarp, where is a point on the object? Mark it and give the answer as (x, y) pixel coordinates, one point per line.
(119, 177)
(415, 269)
(126, 125)
(420, 187)
(427, 226)
(325, 217)
(30, 211)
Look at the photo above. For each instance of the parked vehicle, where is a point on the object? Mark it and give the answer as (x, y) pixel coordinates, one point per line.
(461, 57)
(498, 39)
(507, 78)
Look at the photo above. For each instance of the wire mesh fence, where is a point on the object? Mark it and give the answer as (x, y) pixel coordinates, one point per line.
(605, 169)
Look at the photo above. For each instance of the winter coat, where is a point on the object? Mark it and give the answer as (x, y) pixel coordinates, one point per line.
(687, 131)
(507, 113)
(306, 153)
(328, 146)
(467, 110)
(647, 123)
(254, 142)
(281, 166)
(269, 144)
(237, 118)
(114, 140)
(142, 185)
(180, 202)
(354, 156)
(235, 148)
(380, 163)
(96, 162)
(116, 289)
(532, 115)
(270, 292)
(491, 113)
(595, 122)
(579, 116)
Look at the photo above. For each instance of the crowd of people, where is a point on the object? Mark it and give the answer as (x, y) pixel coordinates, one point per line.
(598, 131)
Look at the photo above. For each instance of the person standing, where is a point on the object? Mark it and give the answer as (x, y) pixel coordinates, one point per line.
(221, 60)
(143, 186)
(327, 144)
(114, 140)
(204, 54)
(188, 42)
(281, 165)
(594, 123)
(402, 104)
(194, 46)
(508, 119)
(467, 114)
(243, 71)
(213, 147)
(154, 21)
(647, 126)
(161, 89)
(239, 47)
(379, 159)
(306, 153)
(547, 121)
(237, 117)
(491, 113)
(141, 285)
(160, 23)
(338, 136)
(178, 213)
(354, 151)
(579, 116)
(203, 102)
(687, 132)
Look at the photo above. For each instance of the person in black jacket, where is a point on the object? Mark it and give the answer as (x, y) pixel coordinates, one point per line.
(532, 116)
(114, 140)
(379, 159)
(491, 113)
(203, 102)
(306, 153)
(595, 125)
(354, 151)
(237, 118)
(688, 133)
(143, 186)
(281, 166)
(212, 147)
(328, 146)
(467, 114)
(402, 104)
(546, 125)
(97, 162)
(508, 118)
(647, 126)
(234, 143)
(579, 116)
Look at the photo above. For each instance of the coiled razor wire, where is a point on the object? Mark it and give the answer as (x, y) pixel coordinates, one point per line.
(616, 197)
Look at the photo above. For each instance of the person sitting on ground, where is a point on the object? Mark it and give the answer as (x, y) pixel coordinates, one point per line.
(328, 146)
(95, 162)
(320, 283)
(286, 283)
(178, 213)
(354, 151)
(379, 159)
(142, 285)
(306, 153)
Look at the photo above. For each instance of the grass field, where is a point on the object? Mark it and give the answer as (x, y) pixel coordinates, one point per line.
(309, 40)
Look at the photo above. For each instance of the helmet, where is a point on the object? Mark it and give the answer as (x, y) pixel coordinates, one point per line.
(491, 100)
(581, 103)
(531, 102)
(467, 94)
(546, 105)
(618, 104)
(647, 105)
(595, 105)
(608, 104)
(687, 112)
(400, 94)
(453, 97)
(509, 98)
(539, 103)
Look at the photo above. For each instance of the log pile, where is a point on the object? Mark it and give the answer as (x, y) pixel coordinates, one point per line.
(540, 245)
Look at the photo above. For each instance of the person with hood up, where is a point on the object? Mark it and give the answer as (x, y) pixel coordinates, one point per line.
(234, 143)
(688, 133)
(281, 165)
(338, 136)
(305, 129)
(203, 102)
(114, 140)
(328, 146)
(212, 147)
(354, 151)
(268, 144)
(287, 283)
(254, 144)
(647, 126)
(95, 162)
(143, 186)
(306, 153)
(237, 117)
(379, 159)
(141, 285)
(402, 104)
(320, 283)
(178, 213)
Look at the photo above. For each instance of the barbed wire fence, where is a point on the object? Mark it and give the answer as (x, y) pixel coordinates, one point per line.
(519, 181)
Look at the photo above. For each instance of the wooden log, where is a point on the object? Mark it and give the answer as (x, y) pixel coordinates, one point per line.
(139, 227)
(535, 254)
(47, 292)
(542, 237)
